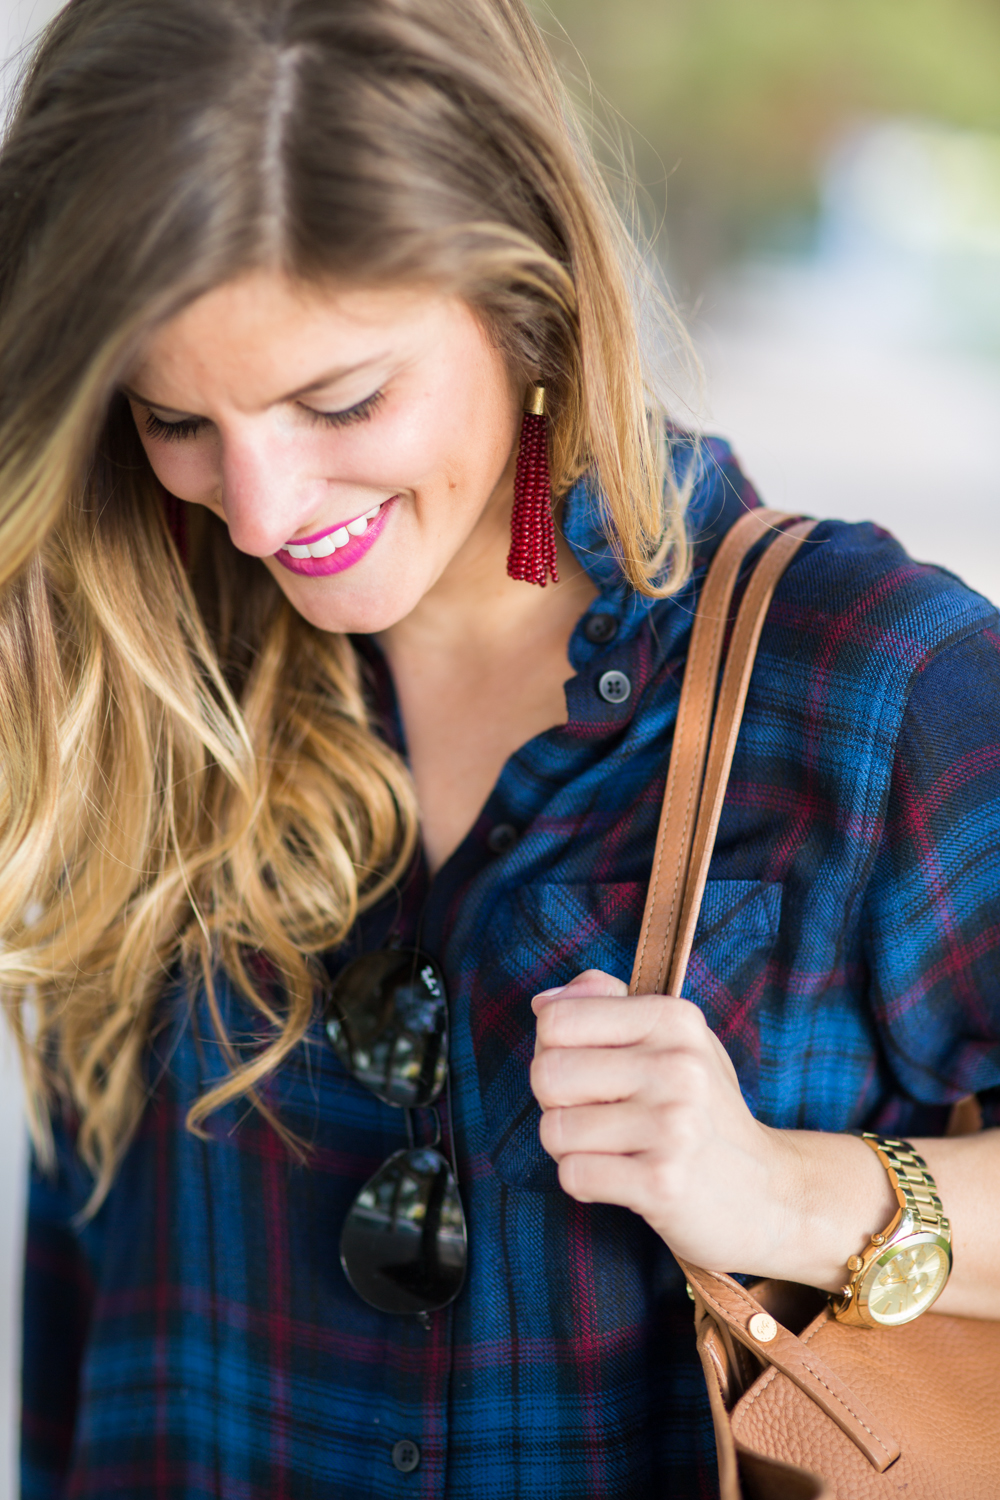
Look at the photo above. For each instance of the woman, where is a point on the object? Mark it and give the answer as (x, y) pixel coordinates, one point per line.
(277, 275)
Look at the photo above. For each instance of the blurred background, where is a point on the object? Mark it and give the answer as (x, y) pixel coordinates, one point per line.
(821, 183)
(821, 179)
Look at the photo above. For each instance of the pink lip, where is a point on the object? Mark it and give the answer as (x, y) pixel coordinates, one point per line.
(344, 557)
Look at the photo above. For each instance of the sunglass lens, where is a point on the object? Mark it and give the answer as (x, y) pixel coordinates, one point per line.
(387, 1021)
(403, 1247)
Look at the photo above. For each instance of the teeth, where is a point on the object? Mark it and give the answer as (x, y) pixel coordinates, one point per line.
(333, 539)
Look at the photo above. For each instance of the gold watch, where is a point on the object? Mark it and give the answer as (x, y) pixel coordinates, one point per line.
(903, 1270)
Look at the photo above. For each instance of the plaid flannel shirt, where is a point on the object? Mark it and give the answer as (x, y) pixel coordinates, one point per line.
(198, 1338)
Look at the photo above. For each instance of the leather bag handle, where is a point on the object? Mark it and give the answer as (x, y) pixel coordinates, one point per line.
(728, 718)
(700, 761)
(736, 1309)
(690, 816)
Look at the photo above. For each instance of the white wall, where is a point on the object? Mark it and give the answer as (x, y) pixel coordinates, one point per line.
(863, 379)
(837, 419)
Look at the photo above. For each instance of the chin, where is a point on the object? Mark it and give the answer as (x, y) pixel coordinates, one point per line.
(333, 605)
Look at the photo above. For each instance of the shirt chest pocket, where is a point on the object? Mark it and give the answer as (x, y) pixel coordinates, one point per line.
(542, 935)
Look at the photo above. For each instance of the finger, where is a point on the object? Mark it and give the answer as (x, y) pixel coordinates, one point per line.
(564, 1076)
(599, 1021)
(607, 1129)
(590, 982)
(592, 1178)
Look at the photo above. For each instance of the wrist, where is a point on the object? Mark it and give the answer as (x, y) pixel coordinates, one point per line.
(832, 1194)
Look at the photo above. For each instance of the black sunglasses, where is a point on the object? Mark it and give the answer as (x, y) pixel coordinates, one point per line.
(403, 1246)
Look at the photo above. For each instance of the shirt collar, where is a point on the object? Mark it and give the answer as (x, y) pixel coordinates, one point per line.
(703, 467)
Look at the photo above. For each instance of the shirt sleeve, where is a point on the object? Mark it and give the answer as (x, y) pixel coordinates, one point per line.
(932, 909)
(58, 1294)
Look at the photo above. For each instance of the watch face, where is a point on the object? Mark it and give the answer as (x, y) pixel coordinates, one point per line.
(901, 1285)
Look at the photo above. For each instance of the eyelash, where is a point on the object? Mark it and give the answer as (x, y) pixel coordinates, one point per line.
(177, 431)
(171, 432)
(359, 413)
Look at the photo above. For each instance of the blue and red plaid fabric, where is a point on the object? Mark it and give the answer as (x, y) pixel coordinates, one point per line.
(199, 1338)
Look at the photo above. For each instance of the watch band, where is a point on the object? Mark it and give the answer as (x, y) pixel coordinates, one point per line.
(919, 1220)
(915, 1188)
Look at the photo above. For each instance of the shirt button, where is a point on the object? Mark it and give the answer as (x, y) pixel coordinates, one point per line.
(614, 687)
(600, 628)
(501, 838)
(405, 1456)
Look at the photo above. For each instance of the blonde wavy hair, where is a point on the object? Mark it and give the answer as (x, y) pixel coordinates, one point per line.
(188, 774)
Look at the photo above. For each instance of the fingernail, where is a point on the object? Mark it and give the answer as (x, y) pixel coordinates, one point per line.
(545, 996)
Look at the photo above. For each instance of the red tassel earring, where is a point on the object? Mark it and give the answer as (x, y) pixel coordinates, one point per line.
(532, 530)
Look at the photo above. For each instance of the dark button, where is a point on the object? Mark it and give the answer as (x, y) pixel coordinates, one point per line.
(501, 838)
(405, 1456)
(600, 628)
(614, 687)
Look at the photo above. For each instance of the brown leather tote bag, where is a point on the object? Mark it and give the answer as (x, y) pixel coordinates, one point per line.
(805, 1408)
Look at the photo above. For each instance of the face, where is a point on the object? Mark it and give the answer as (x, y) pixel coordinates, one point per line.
(357, 441)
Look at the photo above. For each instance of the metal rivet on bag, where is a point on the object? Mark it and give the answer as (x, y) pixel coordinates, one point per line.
(763, 1327)
(614, 687)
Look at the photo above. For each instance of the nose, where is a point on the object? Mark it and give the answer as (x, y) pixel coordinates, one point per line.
(264, 496)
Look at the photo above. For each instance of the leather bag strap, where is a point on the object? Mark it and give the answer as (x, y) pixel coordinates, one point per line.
(733, 1307)
(700, 762)
(690, 815)
(728, 718)
(671, 857)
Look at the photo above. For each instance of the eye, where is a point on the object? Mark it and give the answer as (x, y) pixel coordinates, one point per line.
(359, 413)
(172, 432)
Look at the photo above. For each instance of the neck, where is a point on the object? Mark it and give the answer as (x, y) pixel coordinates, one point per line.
(480, 668)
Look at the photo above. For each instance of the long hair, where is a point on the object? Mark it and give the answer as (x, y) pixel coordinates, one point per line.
(188, 774)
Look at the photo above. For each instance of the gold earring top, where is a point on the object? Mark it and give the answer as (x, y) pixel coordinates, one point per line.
(534, 401)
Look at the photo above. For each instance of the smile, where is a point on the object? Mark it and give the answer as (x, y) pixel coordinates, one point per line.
(337, 548)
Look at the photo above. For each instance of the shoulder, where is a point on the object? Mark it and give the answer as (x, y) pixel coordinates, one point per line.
(859, 606)
(852, 582)
(852, 635)
(854, 620)
(860, 641)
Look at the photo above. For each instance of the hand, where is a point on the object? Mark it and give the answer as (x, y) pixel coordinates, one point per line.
(642, 1107)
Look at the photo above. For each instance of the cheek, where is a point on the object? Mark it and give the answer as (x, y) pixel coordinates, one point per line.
(187, 469)
(432, 445)
(454, 428)
(404, 447)
(465, 439)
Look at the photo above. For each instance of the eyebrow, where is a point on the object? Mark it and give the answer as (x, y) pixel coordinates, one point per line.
(329, 377)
